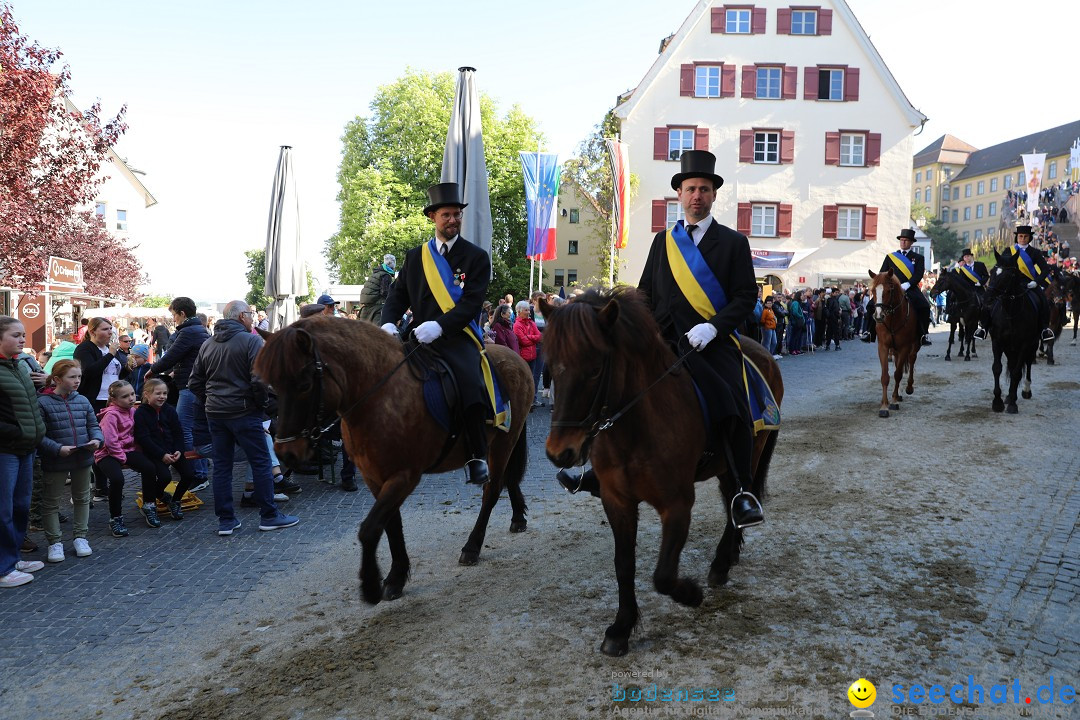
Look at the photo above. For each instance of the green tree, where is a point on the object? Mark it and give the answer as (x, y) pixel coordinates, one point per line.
(155, 301)
(944, 240)
(921, 214)
(256, 279)
(390, 158)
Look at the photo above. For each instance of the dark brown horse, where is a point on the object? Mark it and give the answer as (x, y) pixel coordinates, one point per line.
(322, 368)
(897, 335)
(1055, 300)
(605, 349)
(1071, 283)
(963, 309)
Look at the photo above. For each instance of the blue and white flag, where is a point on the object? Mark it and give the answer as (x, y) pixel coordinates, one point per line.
(542, 173)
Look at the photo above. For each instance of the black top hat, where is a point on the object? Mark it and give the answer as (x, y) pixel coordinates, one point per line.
(966, 251)
(697, 163)
(1022, 230)
(442, 195)
(906, 234)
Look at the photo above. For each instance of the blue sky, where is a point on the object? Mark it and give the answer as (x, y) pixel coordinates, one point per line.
(213, 88)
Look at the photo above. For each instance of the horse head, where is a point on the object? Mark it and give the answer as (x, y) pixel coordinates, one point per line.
(886, 291)
(1006, 277)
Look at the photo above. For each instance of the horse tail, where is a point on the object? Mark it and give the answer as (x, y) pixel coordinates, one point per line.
(762, 470)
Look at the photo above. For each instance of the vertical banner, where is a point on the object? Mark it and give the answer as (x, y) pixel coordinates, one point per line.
(619, 158)
(1074, 161)
(1033, 175)
(542, 174)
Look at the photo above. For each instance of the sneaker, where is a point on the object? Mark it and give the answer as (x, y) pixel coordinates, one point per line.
(149, 512)
(545, 393)
(286, 485)
(82, 548)
(176, 510)
(202, 484)
(99, 496)
(119, 529)
(247, 500)
(279, 522)
(15, 578)
(227, 527)
(56, 552)
(28, 545)
(29, 566)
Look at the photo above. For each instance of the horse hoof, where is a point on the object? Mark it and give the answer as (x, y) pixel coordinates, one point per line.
(909, 391)
(1012, 409)
(967, 359)
(688, 593)
(1026, 394)
(518, 526)
(468, 558)
(391, 592)
(894, 406)
(718, 578)
(1049, 361)
(371, 596)
(615, 647)
(998, 406)
(883, 413)
(948, 359)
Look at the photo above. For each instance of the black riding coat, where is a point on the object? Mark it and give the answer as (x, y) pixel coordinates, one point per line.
(1039, 259)
(914, 294)
(411, 290)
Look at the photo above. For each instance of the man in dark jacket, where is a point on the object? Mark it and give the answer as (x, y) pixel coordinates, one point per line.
(909, 267)
(234, 400)
(376, 290)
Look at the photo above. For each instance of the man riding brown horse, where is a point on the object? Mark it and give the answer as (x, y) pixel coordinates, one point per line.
(909, 267)
(700, 283)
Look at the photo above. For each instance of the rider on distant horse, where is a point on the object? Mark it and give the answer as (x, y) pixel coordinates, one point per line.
(439, 320)
(908, 266)
(1032, 263)
(701, 284)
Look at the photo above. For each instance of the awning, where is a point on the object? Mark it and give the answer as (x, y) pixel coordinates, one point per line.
(768, 261)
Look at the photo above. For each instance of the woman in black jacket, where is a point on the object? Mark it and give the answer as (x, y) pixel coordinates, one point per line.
(158, 434)
(100, 362)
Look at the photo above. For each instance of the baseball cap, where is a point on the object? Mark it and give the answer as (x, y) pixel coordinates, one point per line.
(327, 300)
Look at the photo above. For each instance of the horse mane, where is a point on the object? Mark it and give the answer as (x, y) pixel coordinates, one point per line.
(579, 331)
(288, 351)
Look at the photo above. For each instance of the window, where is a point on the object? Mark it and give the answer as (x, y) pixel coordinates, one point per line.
(575, 215)
(560, 278)
(571, 277)
(768, 83)
(967, 190)
(978, 235)
(830, 84)
(918, 176)
(918, 249)
(993, 209)
(1020, 178)
(1008, 181)
(929, 175)
(990, 233)
(763, 221)
(948, 173)
(967, 214)
(674, 212)
(737, 21)
(956, 193)
(979, 210)
(572, 247)
(965, 235)
(121, 219)
(945, 193)
(944, 215)
(766, 147)
(707, 81)
(993, 184)
(955, 217)
(804, 22)
(980, 188)
(927, 195)
(679, 141)
(1051, 172)
(853, 149)
(99, 210)
(918, 195)
(849, 223)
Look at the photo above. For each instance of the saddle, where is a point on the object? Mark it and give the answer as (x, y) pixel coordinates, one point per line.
(441, 395)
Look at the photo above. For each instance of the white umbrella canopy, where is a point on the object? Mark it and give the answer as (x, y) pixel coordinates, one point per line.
(463, 161)
(285, 275)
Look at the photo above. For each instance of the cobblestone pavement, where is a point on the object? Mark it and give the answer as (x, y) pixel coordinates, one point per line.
(138, 596)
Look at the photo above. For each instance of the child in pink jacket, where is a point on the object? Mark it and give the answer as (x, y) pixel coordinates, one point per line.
(117, 423)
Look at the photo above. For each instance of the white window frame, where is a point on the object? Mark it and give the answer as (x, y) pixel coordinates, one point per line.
(1008, 181)
(979, 211)
(849, 223)
(929, 174)
(955, 216)
(978, 235)
(773, 82)
(918, 195)
(832, 84)
(1051, 171)
(992, 210)
(854, 151)
(121, 220)
(980, 188)
(927, 195)
(993, 184)
(763, 220)
(967, 213)
(737, 21)
(766, 146)
(707, 81)
(685, 135)
(967, 190)
(804, 27)
(675, 212)
(918, 176)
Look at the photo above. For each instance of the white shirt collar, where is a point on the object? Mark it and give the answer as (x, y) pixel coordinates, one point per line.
(699, 231)
(449, 244)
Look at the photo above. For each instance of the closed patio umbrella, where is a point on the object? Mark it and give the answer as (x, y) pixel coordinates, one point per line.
(463, 161)
(285, 275)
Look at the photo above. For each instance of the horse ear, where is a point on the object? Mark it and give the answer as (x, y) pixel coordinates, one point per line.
(997, 256)
(264, 334)
(546, 308)
(609, 314)
(888, 271)
(872, 274)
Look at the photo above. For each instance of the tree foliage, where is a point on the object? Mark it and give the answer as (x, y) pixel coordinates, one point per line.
(155, 301)
(391, 157)
(50, 161)
(946, 243)
(256, 279)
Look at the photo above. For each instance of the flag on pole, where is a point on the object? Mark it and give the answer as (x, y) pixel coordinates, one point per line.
(1033, 176)
(619, 157)
(541, 173)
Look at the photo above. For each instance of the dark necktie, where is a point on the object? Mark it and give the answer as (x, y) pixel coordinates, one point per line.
(690, 231)
(442, 250)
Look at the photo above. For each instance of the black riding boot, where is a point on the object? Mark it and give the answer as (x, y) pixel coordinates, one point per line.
(1044, 318)
(476, 441)
(738, 448)
(984, 320)
(586, 481)
(925, 326)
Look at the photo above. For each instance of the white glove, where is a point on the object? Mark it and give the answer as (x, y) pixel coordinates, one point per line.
(905, 286)
(428, 331)
(701, 335)
(1032, 285)
(390, 329)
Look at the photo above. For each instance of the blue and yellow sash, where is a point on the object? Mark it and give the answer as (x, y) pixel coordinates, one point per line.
(440, 280)
(700, 287)
(1025, 263)
(903, 263)
(970, 274)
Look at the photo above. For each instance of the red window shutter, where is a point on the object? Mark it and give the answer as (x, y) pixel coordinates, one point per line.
(787, 146)
(829, 221)
(832, 148)
(749, 81)
(810, 83)
(851, 84)
(870, 223)
(873, 148)
(742, 218)
(824, 22)
(659, 215)
(746, 146)
(727, 81)
(686, 81)
(718, 17)
(757, 22)
(783, 221)
(783, 21)
(701, 138)
(660, 143)
(790, 88)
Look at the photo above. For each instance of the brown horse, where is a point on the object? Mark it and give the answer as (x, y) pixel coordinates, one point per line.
(897, 334)
(604, 350)
(323, 368)
(1055, 299)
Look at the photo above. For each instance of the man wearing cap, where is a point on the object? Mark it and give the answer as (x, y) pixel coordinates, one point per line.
(1032, 263)
(328, 303)
(444, 281)
(376, 290)
(723, 261)
(909, 267)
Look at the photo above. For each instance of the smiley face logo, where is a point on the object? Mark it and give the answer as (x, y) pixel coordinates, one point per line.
(862, 693)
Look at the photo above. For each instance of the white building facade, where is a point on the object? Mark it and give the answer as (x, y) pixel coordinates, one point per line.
(812, 134)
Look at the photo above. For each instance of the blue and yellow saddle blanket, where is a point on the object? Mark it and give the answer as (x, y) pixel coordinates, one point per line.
(440, 280)
(700, 286)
